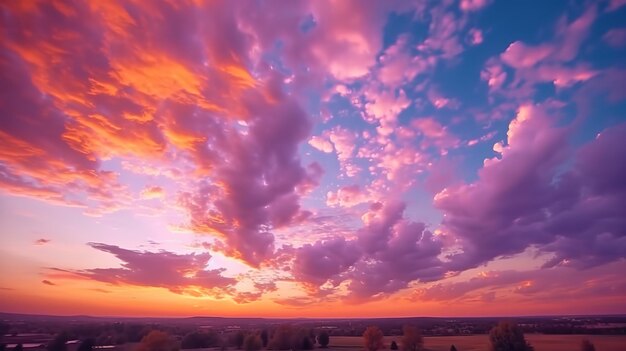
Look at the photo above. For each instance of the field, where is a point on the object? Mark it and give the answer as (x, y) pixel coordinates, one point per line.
(480, 342)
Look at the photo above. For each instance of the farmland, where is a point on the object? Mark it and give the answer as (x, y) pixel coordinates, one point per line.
(480, 342)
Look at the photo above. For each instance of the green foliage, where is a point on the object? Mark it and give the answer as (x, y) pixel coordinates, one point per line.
(412, 339)
(373, 338)
(201, 340)
(323, 339)
(587, 345)
(507, 336)
(252, 342)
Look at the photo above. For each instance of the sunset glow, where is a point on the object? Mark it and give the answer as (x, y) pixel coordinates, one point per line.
(313, 158)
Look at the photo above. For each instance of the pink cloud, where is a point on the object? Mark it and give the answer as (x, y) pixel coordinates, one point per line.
(42, 241)
(475, 36)
(615, 38)
(615, 4)
(347, 196)
(321, 144)
(152, 192)
(473, 5)
(565, 285)
(494, 75)
(344, 142)
(520, 55)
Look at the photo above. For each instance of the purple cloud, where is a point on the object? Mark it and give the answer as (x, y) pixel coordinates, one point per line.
(180, 274)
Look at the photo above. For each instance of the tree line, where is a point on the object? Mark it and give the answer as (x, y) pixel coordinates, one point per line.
(506, 336)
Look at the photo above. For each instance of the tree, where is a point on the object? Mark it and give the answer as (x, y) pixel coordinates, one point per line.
(240, 337)
(306, 343)
(323, 339)
(157, 340)
(18, 347)
(58, 343)
(374, 338)
(87, 344)
(587, 345)
(264, 337)
(283, 338)
(252, 342)
(452, 348)
(412, 339)
(507, 336)
(200, 340)
(393, 346)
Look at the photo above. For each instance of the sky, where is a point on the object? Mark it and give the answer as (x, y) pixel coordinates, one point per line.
(313, 158)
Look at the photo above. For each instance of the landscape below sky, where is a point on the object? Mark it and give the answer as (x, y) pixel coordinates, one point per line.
(313, 158)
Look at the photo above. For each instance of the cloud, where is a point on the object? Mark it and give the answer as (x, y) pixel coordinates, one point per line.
(47, 282)
(556, 284)
(522, 198)
(152, 192)
(42, 241)
(387, 254)
(473, 5)
(181, 274)
(347, 196)
(615, 38)
(321, 144)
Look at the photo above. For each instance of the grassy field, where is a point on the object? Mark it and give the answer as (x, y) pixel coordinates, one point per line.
(480, 342)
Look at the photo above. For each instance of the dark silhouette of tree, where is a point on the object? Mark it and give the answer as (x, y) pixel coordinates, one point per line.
(58, 343)
(240, 337)
(87, 344)
(157, 340)
(252, 342)
(453, 348)
(507, 336)
(18, 347)
(394, 345)
(200, 340)
(264, 337)
(283, 338)
(306, 343)
(373, 338)
(323, 339)
(587, 345)
(412, 339)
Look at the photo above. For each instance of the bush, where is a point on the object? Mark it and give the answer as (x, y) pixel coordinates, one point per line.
(374, 338)
(200, 340)
(587, 345)
(87, 344)
(282, 338)
(252, 342)
(157, 340)
(507, 336)
(323, 339)
(412, 339)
